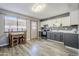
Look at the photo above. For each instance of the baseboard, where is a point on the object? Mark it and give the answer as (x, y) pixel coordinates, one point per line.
(4, 45)
(34, 38)
(72, 48)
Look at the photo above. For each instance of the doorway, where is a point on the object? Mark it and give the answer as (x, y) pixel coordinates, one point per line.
(34, 30)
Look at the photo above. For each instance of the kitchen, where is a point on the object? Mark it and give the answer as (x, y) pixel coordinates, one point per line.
(45, 29)
(62, 28)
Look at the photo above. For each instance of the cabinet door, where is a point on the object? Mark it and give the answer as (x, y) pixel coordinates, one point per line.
(78, 41)
(48, 35)
(70, 40)
(74, 16)
(57, 36)
(61, 37)
(66, 21)
(67, 39)
(52, 35)
(59, 22)
(75, 40)
(54, 21)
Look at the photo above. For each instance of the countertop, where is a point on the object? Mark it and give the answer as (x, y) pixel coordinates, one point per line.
(63, 31)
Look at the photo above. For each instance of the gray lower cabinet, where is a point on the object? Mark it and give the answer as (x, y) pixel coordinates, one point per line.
(61, 37)
(78, 41)
(70, 40)
(49, 35)
(52, 35)
(55, 36)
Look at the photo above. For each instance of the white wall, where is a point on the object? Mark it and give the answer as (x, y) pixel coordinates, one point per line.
(3, 36)
(1, 24)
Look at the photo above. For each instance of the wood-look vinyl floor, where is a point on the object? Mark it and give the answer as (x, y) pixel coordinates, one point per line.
(39, 48)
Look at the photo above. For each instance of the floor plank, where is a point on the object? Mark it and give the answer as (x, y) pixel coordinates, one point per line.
(39, 48)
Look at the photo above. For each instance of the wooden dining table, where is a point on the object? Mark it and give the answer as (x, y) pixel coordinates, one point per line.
(16, 38)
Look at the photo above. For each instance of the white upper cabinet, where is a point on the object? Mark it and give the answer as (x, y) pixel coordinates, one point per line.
(53, 21)
(74, 16)
(58, 22)
(72, 19)
(49, 22)
(65, 21)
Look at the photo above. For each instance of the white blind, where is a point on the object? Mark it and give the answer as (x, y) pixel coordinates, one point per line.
(10, 23)
(21, 25)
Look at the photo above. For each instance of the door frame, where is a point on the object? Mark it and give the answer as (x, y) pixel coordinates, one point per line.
(31, 27)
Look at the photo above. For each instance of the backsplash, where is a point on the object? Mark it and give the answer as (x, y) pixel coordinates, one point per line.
(66, 28)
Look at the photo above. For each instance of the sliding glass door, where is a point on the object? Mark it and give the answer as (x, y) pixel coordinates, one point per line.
(34, 33)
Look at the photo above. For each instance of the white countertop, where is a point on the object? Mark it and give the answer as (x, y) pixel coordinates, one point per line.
(65, 31)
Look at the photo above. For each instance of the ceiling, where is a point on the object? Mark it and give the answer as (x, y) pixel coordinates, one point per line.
(52, 9)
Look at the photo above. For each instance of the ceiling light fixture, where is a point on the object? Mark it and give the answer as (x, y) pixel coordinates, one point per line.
(38, 7)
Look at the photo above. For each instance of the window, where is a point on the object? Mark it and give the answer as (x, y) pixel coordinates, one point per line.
(21, 25)
(14, 24)
(10, 23)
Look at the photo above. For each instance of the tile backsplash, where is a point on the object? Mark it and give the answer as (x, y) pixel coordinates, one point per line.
(69, 28)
